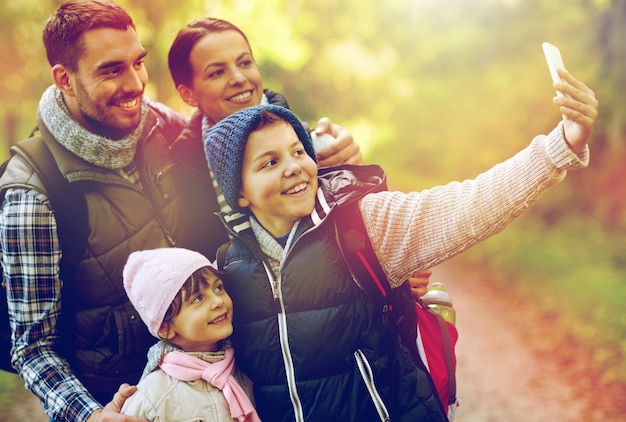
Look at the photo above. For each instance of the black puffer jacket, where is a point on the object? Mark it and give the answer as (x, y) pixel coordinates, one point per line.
(301, 335)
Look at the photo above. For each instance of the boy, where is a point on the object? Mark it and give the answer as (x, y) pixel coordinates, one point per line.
(311, 341)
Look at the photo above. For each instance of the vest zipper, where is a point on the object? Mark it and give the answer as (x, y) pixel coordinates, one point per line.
(368, 379)
(148, 191)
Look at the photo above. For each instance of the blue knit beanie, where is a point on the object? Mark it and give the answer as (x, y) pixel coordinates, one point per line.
(225, 143)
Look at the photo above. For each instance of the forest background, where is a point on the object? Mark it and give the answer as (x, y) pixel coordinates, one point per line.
(433, 91)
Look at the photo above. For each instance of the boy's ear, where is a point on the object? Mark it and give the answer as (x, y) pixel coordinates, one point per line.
(187, 95)
(243, 202)
(165, 332)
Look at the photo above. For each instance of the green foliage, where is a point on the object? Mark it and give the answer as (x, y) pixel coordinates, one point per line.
(9, 383)
(461, 74)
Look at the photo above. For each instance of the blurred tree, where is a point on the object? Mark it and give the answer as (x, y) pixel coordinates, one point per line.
(24, 73)
(611, 42)
(601, 196)
(448, 90)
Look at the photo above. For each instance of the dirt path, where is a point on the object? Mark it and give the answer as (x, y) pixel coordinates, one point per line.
(502, 376)
(512, 366)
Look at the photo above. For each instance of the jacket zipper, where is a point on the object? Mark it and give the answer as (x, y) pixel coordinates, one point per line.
(284, 342)
(368, 379)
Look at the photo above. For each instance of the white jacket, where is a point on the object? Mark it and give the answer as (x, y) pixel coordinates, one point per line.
(161, 398)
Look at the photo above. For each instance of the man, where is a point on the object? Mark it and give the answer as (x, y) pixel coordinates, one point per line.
(77, 339)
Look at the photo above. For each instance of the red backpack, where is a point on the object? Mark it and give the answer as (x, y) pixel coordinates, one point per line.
(433, 349)
(436, 339)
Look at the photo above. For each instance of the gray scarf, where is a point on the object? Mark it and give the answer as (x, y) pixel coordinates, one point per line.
(95, 149)
(273, 250)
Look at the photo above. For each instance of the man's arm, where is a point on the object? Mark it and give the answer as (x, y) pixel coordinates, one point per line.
(30, 261)
(111, 412)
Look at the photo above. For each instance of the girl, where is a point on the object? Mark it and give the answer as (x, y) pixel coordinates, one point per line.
(181, 298)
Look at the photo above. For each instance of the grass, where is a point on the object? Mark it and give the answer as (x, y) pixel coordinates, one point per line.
(9, 383)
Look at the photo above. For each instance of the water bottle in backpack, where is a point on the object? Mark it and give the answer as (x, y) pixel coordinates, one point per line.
(438, 299)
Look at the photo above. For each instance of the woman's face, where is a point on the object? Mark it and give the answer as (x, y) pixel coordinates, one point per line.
(225, 76)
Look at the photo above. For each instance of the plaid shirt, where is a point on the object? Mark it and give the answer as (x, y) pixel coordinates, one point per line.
(30, 260)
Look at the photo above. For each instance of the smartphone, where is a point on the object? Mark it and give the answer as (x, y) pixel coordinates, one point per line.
(553, 57)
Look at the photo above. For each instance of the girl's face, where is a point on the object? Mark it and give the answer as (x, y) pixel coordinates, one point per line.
(205, 318)
(225, 76)
(279, 179)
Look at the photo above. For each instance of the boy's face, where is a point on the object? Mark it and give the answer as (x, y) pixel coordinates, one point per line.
(225, 76)
(205, 318)
(104, 93)
(279, 179)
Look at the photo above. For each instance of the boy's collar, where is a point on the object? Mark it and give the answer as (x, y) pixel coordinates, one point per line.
(240, 222)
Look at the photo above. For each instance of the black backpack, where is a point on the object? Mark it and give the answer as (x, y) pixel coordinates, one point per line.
(71, 216)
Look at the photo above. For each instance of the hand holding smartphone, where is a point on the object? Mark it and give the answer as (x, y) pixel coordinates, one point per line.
(553, 57)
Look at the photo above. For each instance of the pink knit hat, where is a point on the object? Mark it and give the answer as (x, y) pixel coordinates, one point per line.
(152, 278)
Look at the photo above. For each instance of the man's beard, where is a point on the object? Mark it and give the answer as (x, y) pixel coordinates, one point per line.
(102, 124)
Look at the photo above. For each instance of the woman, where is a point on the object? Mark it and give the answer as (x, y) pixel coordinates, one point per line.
(213, 68)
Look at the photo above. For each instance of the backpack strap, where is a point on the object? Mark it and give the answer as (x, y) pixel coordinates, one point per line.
(358, 252)
(68, 202)
(70, 212)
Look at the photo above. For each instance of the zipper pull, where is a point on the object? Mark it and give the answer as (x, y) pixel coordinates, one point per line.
(275, 291)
